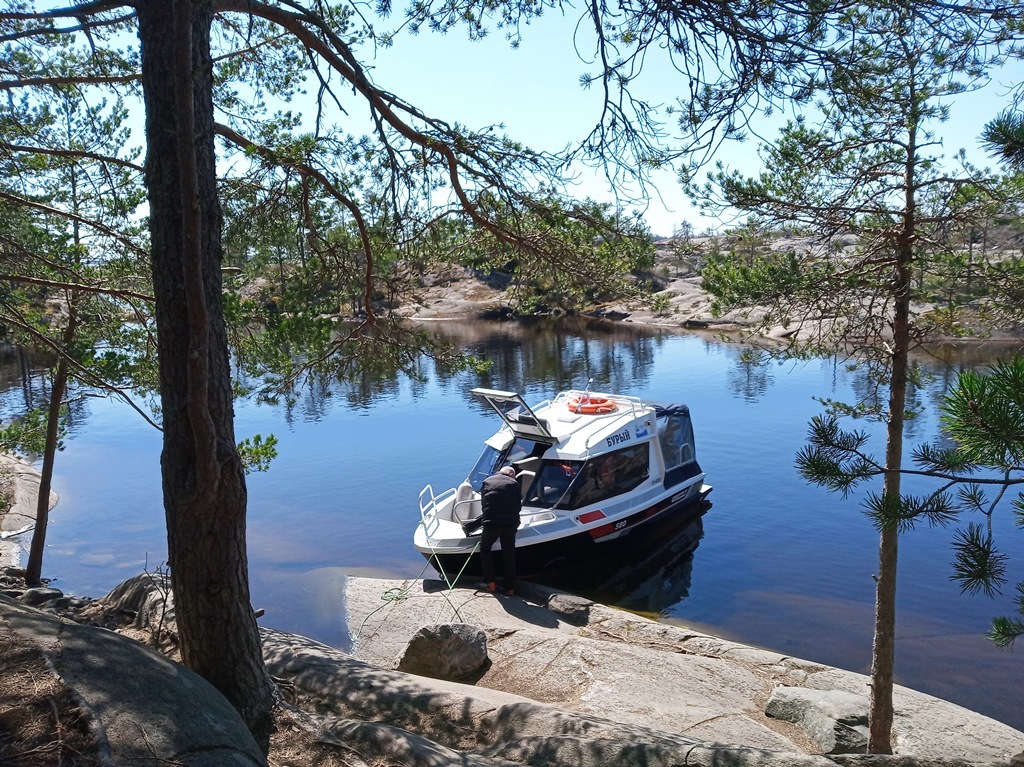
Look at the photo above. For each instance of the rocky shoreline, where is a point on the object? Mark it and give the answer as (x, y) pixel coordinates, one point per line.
(677, 302)
(558, 680)
(460, 294)
(582, 657)
(19, 487)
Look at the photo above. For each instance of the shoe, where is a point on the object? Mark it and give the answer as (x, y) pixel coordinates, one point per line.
(487, 587)
(510, 592)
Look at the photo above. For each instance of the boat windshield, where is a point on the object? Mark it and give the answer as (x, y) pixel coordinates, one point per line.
(574, 484)
(492, 459)
(486, 465)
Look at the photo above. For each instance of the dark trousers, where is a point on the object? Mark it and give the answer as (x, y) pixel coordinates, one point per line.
(506, 534)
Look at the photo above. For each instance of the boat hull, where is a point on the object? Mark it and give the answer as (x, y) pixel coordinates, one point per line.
(543, 557)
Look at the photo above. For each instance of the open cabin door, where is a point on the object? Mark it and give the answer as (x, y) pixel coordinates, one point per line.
(511, 408)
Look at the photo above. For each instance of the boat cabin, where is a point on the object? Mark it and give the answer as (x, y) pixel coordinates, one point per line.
(566, 459)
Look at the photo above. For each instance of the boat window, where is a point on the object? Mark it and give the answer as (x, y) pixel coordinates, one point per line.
(675, 433)
(572, 484)
(611, 474)
(523, 449)
(552, 483)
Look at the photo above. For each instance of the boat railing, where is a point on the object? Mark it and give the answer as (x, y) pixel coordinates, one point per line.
(429, 503)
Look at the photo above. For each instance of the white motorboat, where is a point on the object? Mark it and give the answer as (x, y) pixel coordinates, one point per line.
(593, 469)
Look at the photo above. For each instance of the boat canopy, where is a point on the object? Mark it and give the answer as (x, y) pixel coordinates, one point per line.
(514, 411)
(675, 433)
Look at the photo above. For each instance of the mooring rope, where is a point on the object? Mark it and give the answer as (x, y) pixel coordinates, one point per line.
(395, 594)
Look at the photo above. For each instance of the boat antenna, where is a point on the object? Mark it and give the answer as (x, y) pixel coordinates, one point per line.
(585, 397)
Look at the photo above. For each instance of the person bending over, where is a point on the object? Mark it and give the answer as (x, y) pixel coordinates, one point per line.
(500, 502)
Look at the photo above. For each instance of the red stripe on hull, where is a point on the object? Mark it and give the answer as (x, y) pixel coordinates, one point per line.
(633, 519)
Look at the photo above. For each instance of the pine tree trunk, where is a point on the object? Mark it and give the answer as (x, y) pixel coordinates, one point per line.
(883, 653)
(883, 656)
(203, 480)
(34, 568)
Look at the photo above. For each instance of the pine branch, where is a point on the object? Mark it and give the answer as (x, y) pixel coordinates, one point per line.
(978, 566)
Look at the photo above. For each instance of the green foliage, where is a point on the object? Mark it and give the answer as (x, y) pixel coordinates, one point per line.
(25, 434)
(777, 281)
(564, 256)
(834, 458)
(902, 513)
(864, 167)
(980, 457)
(661, 303)
(837, 460)
(1004, 137)
(978, 565)
(1006, 629)
(257, 452)
(355, 203)
(943, 459)
(984, 414)
(860, 164)
(74, 265)
(870, 408)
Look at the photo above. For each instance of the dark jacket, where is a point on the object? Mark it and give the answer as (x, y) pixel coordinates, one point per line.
(500, 500)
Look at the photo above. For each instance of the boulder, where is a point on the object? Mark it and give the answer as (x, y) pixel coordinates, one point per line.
(613, 312)
(445, 651)
(570, 608)
(147, 598)
(836, 720)
(143, 708)
(35, 597)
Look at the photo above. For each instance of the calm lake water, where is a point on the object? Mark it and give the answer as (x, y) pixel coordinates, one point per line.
(775, 562)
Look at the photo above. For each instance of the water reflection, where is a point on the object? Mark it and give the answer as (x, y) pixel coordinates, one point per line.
(538, 357)
(751, 376)
(648, 574)
(547, 356)
(25, 385)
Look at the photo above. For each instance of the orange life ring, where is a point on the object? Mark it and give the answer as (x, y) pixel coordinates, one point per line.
(592, 405)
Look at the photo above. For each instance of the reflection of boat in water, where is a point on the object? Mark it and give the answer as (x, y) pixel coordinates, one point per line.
(593, 469)
(638, 576)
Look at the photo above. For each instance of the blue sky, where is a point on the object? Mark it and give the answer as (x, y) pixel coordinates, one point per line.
(535, 92)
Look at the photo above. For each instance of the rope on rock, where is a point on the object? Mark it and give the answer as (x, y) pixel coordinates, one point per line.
(396, 594)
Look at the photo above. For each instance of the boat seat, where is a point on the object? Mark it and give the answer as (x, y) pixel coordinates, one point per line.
(466, 505)
(525, 480)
